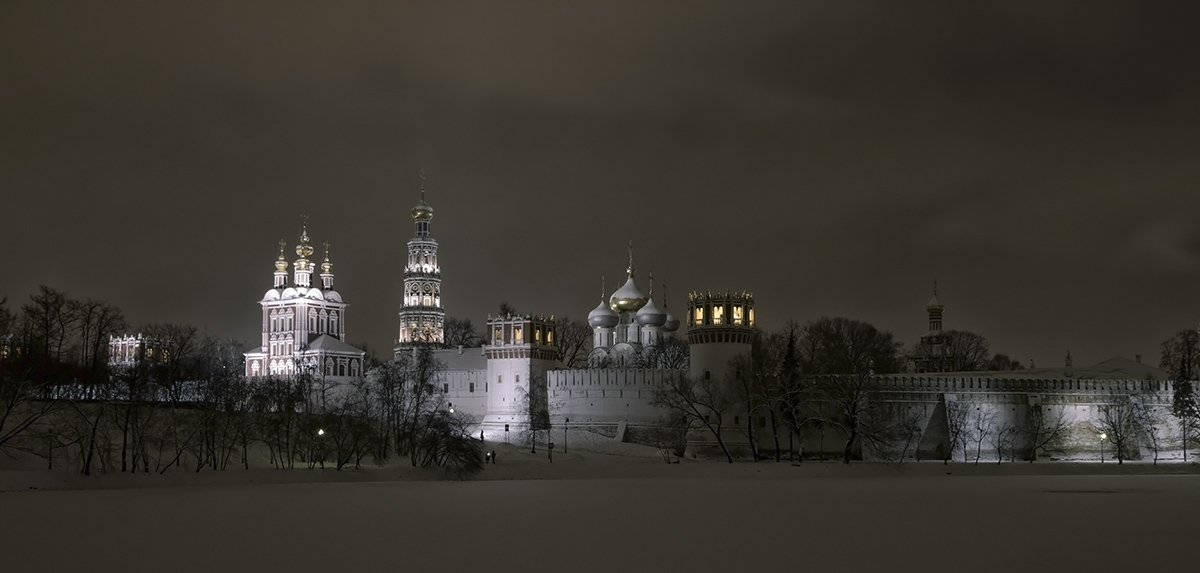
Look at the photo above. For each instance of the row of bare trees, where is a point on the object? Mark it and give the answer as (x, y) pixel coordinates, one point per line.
(805, 379)
(189, 405)
(821, 377)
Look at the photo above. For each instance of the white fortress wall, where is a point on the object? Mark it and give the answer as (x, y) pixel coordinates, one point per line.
(606, 396)
(466, 390)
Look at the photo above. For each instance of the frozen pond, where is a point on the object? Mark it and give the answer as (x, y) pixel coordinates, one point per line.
(769, 520)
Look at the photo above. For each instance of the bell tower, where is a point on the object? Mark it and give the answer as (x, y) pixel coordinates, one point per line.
(422, 318)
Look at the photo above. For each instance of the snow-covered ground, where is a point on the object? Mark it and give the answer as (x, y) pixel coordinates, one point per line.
(591, 511)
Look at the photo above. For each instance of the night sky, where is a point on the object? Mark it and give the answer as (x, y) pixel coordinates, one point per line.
(831, 157)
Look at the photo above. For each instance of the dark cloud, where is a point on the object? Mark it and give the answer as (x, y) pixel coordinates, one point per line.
(833, 157)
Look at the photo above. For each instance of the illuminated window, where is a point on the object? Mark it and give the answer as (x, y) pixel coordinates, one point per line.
(699, 317)
(537, 335)
(718, 314)
(499, 334)
(517, 335)
(751, 323)
(549, 337)
(737, 314)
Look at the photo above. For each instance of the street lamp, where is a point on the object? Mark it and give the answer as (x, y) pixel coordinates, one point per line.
(1103, 436)
(565, 422)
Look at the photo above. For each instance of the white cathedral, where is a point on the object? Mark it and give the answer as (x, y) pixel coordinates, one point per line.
(303, 326)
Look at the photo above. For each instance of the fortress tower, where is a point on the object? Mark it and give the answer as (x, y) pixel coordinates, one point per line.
(720, 326)
(520, 350)
(422, 317)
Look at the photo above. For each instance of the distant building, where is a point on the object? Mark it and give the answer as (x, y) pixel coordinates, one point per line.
(935, 353)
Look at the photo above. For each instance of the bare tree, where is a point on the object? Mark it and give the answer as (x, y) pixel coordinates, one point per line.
(1118, 421)
(1003, 362)
(533, 403)
(573, 341)
(96, 321)
(700, 403)
(670, 353)
(1149, 423)
(957, 427)
(22, 409)
(843, 356)
(982, 428)
(461, 332)
(47, 322)
(1003, 435)
(1180, 357)
(1043, 427)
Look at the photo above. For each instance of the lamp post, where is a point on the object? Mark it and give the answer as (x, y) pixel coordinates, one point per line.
(321, 446)
(1103, 436)
(565, 422)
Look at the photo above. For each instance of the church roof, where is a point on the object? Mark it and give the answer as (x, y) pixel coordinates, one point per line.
(332, 344)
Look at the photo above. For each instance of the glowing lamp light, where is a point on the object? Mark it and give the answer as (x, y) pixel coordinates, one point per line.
(320, 432)
(1103, 436)
(451, 410)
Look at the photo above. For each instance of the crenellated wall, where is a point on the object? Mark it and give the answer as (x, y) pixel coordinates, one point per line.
(606, 396)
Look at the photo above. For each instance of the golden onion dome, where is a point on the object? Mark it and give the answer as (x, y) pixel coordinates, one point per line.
(281, 264)
(304, 249)
(422, 211)
(628, 298)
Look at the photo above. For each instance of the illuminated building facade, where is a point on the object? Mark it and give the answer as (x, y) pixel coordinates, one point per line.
(304, 326)
(422, 317)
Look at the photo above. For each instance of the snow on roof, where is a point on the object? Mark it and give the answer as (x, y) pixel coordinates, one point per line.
(331, 344)
(1116, 368)
(470, 358)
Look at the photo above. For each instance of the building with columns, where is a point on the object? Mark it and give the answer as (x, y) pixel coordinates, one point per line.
(304, 325)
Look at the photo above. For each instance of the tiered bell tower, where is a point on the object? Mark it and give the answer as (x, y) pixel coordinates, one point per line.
(422, 318)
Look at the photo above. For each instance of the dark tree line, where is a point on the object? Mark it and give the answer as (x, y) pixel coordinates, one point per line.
(183, 402)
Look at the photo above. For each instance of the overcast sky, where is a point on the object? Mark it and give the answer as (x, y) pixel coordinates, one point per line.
(831, 157)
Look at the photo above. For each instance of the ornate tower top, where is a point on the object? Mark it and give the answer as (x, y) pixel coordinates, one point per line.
(303, 275)
(935, 309)
(304, 249)
(628, 298)
(281, 265)
(327, 270)
(422, 212)
(629, 270)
